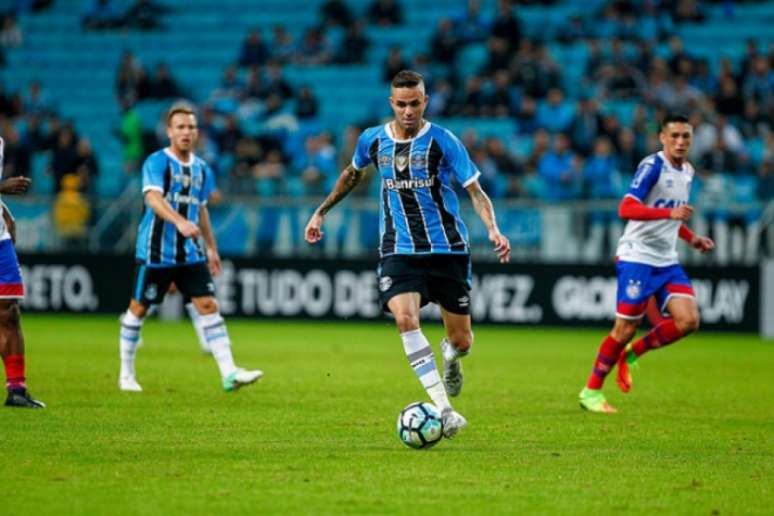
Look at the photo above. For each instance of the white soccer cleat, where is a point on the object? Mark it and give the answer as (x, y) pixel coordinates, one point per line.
(452, 372)
(129, 384)
(240, 378)
(453, 422)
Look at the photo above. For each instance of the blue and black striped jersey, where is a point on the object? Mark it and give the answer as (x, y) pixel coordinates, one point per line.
(186, 187)
(419, 211)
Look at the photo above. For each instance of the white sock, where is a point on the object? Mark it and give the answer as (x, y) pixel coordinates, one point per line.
(196, 320)
(420, 356)
(451, 353)
(129, 339)
(216, 336)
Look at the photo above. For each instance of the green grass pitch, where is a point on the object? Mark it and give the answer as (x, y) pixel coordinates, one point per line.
(317, 435)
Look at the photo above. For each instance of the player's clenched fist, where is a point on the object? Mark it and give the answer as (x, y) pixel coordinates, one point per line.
(683, 212)
(312, 232)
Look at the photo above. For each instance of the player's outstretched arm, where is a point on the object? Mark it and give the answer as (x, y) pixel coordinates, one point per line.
(213, 258)
(632, 209)
(155, 200)
(483, 206)
(348, 179)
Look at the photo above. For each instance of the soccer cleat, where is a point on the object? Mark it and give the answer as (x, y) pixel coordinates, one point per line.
(129, 384)
(22, 398)
(452, 372)
(453, 422)
(627, 361)
(240, 378)
(594, 401)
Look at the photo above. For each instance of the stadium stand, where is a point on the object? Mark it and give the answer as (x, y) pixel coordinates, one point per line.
(629, 59)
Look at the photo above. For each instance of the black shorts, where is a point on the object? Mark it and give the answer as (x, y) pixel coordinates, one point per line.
(152, 283)
(438, 278)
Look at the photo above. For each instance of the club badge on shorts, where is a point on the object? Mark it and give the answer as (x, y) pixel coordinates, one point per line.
(151, 291)
(385, 283)
(633, 289)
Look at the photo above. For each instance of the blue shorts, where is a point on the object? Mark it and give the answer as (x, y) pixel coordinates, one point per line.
(638, 281)
(11, 286)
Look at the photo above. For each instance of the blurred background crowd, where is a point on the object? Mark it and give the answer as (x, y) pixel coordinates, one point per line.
(556, 102)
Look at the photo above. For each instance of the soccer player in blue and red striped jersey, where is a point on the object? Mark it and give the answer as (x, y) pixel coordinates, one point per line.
(424, 251)
(176, 186)
(656, 208)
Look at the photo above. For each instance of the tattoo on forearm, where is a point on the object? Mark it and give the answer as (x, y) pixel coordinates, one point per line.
(348, 180)
(483, 207)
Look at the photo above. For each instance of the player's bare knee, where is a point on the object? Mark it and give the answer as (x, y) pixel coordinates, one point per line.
(623, 330)
(461, 340)
(137, 309)
(10, 315)
(406, 322)
(688, 323)
(206, 306)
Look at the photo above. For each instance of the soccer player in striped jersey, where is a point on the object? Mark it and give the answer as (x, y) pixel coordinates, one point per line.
(656, 208)
(176, 185)
(424, 252)
(11, 291)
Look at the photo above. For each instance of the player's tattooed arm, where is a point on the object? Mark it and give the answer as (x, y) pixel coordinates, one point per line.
(349, 179)
(483, 206)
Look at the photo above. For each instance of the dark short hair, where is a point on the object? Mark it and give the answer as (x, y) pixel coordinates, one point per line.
(672, 118)
(181, 107)
(407, 79)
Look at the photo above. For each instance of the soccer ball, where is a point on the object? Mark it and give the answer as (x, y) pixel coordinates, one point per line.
(420, 425)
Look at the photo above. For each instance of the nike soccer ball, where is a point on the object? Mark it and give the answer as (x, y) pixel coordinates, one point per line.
(420, 425)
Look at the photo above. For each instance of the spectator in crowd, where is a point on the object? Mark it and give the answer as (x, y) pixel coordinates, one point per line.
(353, 46)
(506, 25)
(314, 48)
(102, 14)
(282, 45)
(393, 64)
(131, 136)
(444, 43)
(255, 88)
(508, 168)
(527, 116)
(86, 167)
(230, 136)
(759, 83)
(555, 114)
(719, 159)
(17, 154)
(503, 100)
(559, 170)
(385, 12)
(754, 123)
(336, 13)
(10, 33)
(71, 212)
(163, 85)
(318, 165)
(270, 174)
(586, 125)
(470, 25)
(145, 15)
(64, 156)
(306, 103)
(276, 82)
(254, 50)
(36, 100)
